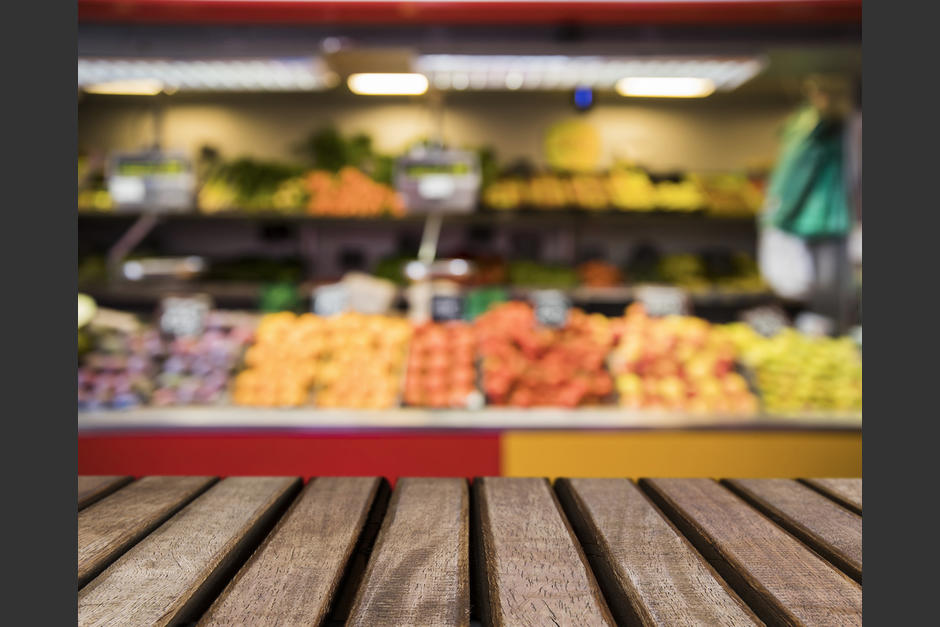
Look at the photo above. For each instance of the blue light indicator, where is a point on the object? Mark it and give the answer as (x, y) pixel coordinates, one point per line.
(583, 97)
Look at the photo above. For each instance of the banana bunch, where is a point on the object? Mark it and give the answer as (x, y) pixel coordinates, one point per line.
(682, 196)
(631, 190)
(505, 194)
(217, 195)
(291, 195)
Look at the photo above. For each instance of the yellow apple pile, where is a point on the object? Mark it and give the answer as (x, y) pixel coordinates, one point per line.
(799, 373)
(676, 363)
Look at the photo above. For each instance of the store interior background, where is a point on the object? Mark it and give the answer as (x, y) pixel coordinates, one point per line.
(734, 131)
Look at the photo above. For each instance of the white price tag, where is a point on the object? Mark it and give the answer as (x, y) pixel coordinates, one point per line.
(661, 300)
(551, 307)
(184, 315)
(330, 300)
(768, 321)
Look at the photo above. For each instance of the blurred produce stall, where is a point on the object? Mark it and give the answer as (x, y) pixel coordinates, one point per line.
(457, 240)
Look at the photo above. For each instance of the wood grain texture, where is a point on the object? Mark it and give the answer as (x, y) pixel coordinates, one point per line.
(535, 572)
(831, 530)
(650, 574)
(847, 492)
(784, 582)
(114, 524)
(293, 577)
(419, 571)
(92, 488)
(169, 577)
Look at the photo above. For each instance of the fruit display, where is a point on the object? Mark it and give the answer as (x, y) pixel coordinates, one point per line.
(249, 185)
(441, 366)
(631, 190)
(196, 370)
(717, 270)
(505, 194)
(532, 274)
(525, 364)
(93, 194)
(730, 193)
(281, 365)
(626, 187)
(620, 189)
(349, 360)
(126, 369)
(597, 273)
(363, 362)
(350, 193)
(676, 363)
(800, 373)
(117, 371)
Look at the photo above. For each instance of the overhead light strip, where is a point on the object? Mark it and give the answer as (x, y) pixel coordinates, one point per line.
(554, 72)
(304, 74)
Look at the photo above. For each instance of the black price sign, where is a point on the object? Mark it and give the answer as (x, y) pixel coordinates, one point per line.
(663, 301)
(330, 300)
(551, 307)
(768, 321)
(184, 315)
(445, 307)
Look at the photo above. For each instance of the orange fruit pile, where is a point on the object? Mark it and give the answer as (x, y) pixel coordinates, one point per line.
(363, 362)
(350, 193)
(282, 363)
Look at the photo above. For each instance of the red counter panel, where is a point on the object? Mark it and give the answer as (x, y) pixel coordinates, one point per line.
(392, 455)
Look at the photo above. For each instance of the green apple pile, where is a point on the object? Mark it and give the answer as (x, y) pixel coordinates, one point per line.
(800, 373)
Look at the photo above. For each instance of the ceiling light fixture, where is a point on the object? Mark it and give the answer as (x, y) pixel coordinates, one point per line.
(131, 87)
(665, 87)
(388, 84)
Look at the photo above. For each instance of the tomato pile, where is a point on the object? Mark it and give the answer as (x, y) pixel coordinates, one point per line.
(525, 364)
(441, 371)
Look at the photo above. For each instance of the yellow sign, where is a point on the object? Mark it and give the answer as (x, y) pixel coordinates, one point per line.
(573, 146)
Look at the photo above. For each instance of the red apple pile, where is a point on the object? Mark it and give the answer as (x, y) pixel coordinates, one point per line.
(676, 363)
(525, 364)
(441, 371)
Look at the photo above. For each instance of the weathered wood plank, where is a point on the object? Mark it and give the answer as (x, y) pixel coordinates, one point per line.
(419, 571)
(293, 577)
(650, 574)
(114, 524)
(172, 574)
(847, 492)
(92, 488)
(782, 580)
(831, 530)
(532, 568)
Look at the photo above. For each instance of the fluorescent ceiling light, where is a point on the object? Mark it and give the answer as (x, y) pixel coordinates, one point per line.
(292, 74)
(388, 84)
(131, 87)
(665, 86)
(561, 72)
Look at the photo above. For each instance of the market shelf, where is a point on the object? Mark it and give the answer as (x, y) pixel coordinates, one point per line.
(250, 291)
(488, 419)
(547, 217)
(130, 292)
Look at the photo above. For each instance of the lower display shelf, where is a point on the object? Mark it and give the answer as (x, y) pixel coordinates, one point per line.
(601, 442)
(227, 418)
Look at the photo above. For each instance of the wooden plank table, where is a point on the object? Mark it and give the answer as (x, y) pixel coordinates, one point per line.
(494, 551)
